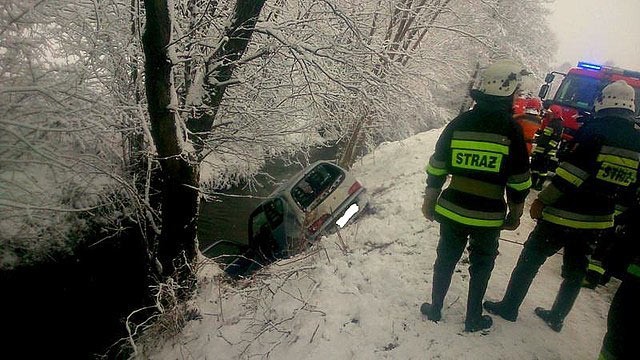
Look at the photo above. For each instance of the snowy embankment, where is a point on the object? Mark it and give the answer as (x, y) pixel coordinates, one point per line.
(357, 295)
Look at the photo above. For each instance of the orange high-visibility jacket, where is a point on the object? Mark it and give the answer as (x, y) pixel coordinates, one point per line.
(530, 124)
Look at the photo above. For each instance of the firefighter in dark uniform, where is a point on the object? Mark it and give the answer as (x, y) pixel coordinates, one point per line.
(597, 273)
(624, 314)
(544, 157)
(578, 203)
(484, 151)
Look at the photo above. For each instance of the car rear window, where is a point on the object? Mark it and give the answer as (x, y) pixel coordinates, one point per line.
(316, 185)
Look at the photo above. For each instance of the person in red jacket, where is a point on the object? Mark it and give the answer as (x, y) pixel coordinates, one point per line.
(484, 152)
(519, 105)
(530, 120)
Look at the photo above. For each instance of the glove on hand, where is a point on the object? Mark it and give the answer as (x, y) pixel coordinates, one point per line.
(429, 204)
(512, 220)
(536, 209)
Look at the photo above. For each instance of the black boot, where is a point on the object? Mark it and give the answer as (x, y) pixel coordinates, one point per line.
(567, 295)
(591, 280)
(550, 319)
(480, 270)
(443, 271)
(500, 309)
(475, 321)
(441, 284)
(521, 278)
(433, 313)
(477, 324)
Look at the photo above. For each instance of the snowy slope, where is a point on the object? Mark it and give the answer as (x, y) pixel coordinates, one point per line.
(361, 300)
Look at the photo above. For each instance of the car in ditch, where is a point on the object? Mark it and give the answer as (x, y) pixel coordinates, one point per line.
(319, 200)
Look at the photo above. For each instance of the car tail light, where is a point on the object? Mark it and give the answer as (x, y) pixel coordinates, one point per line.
(355, 187)
(318, 224)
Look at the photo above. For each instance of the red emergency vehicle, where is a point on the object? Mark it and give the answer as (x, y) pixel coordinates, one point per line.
(578, 90)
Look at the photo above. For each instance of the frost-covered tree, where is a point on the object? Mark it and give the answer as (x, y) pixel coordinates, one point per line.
(351, 72)
(228, 85)
(65, 112)
(382, 69)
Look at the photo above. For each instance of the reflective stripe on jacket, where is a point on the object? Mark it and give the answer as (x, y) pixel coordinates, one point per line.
(603, 160)
(484, 152)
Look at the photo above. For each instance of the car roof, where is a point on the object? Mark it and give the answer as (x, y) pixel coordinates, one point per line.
(288, 185)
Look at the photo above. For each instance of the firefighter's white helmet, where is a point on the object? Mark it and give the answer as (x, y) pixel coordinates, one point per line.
(617, 95)
(502, 78)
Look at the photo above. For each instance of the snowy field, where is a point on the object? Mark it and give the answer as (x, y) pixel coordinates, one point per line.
(357, 295)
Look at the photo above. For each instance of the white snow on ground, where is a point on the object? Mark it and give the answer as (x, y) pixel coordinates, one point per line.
(361, 300)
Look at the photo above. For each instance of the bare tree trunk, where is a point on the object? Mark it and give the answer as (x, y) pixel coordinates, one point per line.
(177, 247)
(399, 35)
(441, 8)
(137, 163)
(374, 23)
(401, 32)
(348, 154)
(179, 173)
(408, 38)
(220, 67)
(134, 160)
(191, 13)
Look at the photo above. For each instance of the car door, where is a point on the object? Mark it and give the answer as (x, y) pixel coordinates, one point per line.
(267, 231)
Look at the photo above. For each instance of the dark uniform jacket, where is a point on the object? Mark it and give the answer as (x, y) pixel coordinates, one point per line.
(549, 138)
(623, 258)
(484, 151)
(603, 160)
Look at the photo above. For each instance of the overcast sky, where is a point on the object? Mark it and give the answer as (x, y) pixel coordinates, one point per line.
(597, 31)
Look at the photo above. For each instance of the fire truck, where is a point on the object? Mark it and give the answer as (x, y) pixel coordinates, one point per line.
(578, 90)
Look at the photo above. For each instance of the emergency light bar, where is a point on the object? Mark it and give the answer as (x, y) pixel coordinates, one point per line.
(586, 65)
